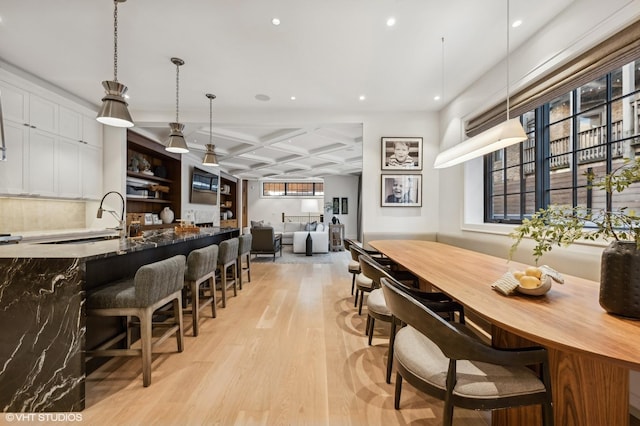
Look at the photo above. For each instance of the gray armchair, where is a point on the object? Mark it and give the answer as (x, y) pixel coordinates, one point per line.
(265, 241)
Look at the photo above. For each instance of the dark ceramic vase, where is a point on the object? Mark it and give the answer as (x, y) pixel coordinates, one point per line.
(309, 245)
(620, 279)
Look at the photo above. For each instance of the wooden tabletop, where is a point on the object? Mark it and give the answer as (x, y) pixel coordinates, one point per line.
(568, 317)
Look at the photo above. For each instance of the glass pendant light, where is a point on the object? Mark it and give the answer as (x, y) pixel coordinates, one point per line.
(114, 110)
(176, 142)
(210, 158)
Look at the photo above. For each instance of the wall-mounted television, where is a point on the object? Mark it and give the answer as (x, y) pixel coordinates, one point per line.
(204, 187)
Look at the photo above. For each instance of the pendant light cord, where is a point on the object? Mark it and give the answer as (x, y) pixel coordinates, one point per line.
(508, 16)
(210, 121)
(115, 40)
(177, 90)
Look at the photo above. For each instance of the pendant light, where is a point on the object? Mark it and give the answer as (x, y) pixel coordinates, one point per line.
(176, 142)
(210, 158)
(114, 110)
(498, 137)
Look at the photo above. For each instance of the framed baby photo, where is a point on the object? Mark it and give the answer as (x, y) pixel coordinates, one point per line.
(401, 153)
(401, 191)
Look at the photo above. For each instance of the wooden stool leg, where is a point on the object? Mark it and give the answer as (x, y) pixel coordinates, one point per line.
(248, 267)
(235, 282)
(223, 275)
(195, 306)
(212, 282)
(146, 318)
(177, 309)
(239, 269)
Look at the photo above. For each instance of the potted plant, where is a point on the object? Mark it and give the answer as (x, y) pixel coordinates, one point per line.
(620, 266)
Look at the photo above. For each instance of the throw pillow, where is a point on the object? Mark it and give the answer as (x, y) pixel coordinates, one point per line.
(320, 227)
(257, 223)
(311, 226)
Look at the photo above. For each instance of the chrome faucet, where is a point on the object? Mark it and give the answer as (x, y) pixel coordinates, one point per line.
(121, 219)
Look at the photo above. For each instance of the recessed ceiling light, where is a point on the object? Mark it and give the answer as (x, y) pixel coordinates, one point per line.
(362, 97)
(275, 21)
(516, 23)
(262, 97)
(293, 98)
(436, 98)
(126, 96)
(391, 21)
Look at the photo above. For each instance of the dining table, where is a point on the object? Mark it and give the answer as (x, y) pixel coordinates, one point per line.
(590, 351)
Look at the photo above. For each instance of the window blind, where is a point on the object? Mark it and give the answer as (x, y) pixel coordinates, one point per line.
(618, 50)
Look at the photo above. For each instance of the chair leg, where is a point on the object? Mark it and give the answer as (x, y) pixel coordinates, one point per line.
(235, 282)
(355, 302)
(248, 267)
(212, 283)
(372, 324)
(361, 299)
(195, 306)
(447, 415)
(146, 318)
(392, 339)
(353, 283)
(177, 309)
(396, 402)
(366, 327)
(223, 284)
(239, 270)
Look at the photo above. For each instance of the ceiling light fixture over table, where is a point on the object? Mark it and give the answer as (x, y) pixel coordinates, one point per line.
(498, 137)
(114, 110)
(176, 141)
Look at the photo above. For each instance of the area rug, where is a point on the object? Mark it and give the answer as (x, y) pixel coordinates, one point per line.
(288, 256)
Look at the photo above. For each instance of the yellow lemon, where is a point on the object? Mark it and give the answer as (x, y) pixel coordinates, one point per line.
(518, 274)
(527, 281)
(532, 271)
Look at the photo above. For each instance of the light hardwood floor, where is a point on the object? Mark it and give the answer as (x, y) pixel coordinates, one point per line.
(289, 350)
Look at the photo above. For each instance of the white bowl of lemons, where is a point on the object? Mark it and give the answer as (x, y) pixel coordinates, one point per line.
(536, 281)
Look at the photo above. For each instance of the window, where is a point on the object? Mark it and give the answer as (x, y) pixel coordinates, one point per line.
(292, 189)
(589, 130)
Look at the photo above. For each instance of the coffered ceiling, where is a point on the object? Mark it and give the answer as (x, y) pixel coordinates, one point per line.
(338, 58)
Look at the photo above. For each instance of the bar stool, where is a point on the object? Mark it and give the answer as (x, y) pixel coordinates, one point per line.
(201, 269)
(227, 257)
(244, 249)
(153, 286)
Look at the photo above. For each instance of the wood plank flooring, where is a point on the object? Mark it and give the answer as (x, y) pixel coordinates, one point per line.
(289, 350)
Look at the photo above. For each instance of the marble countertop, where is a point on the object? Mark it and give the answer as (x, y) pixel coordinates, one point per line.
(87, 250)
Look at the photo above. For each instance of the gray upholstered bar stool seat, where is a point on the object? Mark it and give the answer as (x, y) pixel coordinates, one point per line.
(227, 256)
(244, 250)
(154, 286)
(201, 271)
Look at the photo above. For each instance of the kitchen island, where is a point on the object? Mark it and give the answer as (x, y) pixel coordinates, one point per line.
(44, 332)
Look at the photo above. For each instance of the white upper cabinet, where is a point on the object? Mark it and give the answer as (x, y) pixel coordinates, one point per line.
(43, 114)
(15, 103)
(91, 131)
(13, 174)
(70, 124)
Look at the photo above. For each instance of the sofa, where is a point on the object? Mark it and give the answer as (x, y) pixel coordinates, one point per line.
(319, 237)
(285, 228)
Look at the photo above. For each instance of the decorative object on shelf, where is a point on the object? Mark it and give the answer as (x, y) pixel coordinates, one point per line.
(225, 190)
(335, 220)
(229, 214)
(500, 136)
(156, 219)
(114, 110)
(210, 158)
(176, 141)
(167, 215)
(401, 153)
(160, 171)
(401, 191)
(620, 262)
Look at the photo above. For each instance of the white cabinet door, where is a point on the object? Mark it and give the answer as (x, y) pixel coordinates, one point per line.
(15, 103)
(68, 167)
(12, 172)
(43, 114)
(91, 131)
(69, 123)
(91, 172)
(41, 163)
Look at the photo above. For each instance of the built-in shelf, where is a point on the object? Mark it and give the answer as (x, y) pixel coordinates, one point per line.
(148, 200)
(148, 177)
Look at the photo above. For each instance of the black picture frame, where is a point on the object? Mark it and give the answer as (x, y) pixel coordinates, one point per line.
(336, 205)
(345, 205)
(400, 153)
(401, 190)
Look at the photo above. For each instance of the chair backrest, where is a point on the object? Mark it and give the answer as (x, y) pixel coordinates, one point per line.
(262, 238)
(356, 251)
(228, 251)
(244, 246)
(448, 336)
(373, 270)
(347, 243)
(200, 262)
(155, 281)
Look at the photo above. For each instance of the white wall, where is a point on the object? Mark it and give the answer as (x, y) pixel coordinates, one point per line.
(270, 209)
(343, 187)
(581, 26)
